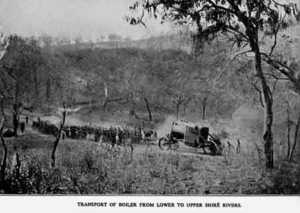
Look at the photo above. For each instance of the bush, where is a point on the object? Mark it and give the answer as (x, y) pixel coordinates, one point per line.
(91, 168)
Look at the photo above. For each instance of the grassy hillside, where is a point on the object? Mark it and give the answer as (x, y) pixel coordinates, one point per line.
(111, 84)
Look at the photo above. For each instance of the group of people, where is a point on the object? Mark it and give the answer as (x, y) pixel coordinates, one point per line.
(114, 135)
(44, 127)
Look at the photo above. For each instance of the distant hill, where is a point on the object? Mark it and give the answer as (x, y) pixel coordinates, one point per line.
(162, 42)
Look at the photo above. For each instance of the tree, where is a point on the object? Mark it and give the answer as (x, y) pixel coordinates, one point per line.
(4, 157)
(148, 109)
(54, 78)
(58, 135)
(46, 41)
(296, 139)
(4, 43)
(115, 39)
(184, 92)
(3, 50)
(243, 22)
(78, 42)
(16, 78)
(62, 41)
(204, 102)
(36, 60)
(292, 109)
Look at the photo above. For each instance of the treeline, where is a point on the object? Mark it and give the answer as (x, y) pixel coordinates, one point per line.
(167, 80)
(41, 76)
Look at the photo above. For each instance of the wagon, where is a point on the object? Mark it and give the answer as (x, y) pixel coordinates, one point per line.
(192, 136)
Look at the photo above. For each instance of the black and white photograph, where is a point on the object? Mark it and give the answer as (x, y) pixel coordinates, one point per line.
(150, 97)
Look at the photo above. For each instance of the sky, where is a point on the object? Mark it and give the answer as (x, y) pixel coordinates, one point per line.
(88, 19)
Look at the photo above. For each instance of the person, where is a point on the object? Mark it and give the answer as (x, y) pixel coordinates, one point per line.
(143, 136)
(63, 135)
(238, 148)
(27, 119)
(22, 124)
(230, 148)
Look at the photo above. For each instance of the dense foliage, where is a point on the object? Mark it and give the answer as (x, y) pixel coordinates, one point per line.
(48, 75)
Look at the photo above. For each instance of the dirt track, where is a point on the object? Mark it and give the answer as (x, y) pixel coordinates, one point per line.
(245, 129)
(149, 145)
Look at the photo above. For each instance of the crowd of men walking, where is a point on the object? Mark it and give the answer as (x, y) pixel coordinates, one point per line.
(115, 135)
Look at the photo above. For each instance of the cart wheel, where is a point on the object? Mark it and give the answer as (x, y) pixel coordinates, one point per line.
(205, 149)
(213, 148)
(164, 143)
(175, 145)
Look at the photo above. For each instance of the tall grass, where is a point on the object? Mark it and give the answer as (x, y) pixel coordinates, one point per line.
(91, 168)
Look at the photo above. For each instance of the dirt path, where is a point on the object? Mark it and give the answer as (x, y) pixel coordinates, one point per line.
(246, 130)
(151, 145)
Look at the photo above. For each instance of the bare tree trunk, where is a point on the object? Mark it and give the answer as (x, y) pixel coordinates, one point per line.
(36, 85)
(268, 109)
(17, 166)
(288, 131)
(110, 100)
(295, 139)
(15, 122)
(16, 106)
(173, 103)
(48, 89)
(4, 155)
(16, 118)
(132, 112)
(177, 110)
(4, 46)
(179, 102)
(57, 137)
(148, 109)
(3, 163)
(2, 121)
(204, 102)
(217, 107)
